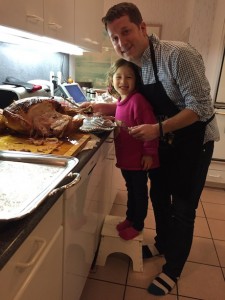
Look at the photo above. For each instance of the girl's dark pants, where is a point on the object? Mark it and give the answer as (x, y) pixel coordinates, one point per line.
(137, 197)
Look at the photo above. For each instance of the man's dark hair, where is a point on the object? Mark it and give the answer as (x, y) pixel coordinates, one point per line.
(123, 9)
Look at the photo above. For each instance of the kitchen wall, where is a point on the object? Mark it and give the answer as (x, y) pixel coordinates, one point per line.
(27, 64)
(199, 22)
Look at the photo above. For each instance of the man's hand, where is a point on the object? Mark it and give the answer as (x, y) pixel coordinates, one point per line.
(145, 132)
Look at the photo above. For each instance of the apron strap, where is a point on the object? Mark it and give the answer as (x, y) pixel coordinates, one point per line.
(154, 61)
(210, 119)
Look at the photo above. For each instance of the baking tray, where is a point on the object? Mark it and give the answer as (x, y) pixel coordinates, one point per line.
(26, 179)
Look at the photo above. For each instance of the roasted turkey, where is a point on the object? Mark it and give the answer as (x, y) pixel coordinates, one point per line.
(41, 116)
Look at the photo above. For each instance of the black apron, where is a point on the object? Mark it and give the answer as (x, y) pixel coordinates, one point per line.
(179, 155)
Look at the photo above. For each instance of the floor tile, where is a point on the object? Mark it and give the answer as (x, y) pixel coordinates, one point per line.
(152, 267)
(213, 195)
(203, 251)
(220, 248)
(202, 282)
(214, 211)
(141, 294)
(217, 228)
(115, 269)
(203, 277)
(150, 220)
(199, 211)
(101, 290)
(201, 228)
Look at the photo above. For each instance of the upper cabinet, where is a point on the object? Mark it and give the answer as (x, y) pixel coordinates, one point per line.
(59, 20)
(27, 15)
(74, 21)
(88, 25)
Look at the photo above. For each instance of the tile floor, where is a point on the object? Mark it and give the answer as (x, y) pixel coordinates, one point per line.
(203, 276)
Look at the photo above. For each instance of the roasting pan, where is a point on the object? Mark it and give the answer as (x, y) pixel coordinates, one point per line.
(26, 179)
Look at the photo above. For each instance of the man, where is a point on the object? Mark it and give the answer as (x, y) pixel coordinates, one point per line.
(174, 81)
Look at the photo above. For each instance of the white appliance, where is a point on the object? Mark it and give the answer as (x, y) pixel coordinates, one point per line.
(216, 172)
(219, 148)
(10, 93)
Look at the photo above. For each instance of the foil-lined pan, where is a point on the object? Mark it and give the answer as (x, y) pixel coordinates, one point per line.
(26, 179)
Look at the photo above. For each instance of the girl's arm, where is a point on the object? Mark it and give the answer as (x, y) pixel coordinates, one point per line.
(107, 109)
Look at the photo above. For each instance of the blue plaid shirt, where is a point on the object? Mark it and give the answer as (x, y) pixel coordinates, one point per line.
(182, 73)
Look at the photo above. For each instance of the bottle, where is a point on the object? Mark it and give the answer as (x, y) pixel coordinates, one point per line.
(88, 95)
(92, 94)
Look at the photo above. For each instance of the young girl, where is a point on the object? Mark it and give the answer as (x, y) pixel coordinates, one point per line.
(134, 157)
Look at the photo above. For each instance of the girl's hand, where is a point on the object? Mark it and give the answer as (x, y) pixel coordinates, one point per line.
(146, 162)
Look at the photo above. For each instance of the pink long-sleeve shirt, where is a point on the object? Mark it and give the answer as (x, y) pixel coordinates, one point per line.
(134, 110)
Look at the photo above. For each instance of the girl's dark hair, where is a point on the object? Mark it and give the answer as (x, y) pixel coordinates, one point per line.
(123, 9)
(117, 64)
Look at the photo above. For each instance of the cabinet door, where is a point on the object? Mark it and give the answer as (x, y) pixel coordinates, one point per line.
(88, 25)
(25, 15)
(80, 223)
(34, 257)
(45, 281)
(59, 19)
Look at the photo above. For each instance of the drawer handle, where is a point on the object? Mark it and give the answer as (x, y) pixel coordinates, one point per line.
(214, 176)
(68, 185)
(54, 26)
(220, 112)
(109, 140)
(34, 18)
(21, 266)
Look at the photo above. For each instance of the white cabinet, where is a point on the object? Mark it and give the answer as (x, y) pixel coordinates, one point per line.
(35, 270)
(59, 19)
(27, 15)
(219, 147)
(80, 223)
(88, 25)
(86, 206)
(73, 21)
(45, 281)
(52, 18)
(216, 172)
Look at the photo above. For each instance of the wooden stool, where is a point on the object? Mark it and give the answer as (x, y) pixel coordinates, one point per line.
(111, 242)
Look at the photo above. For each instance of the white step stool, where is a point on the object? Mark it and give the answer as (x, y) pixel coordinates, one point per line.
(111, 242)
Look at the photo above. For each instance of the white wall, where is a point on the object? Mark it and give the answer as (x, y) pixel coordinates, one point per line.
(216, 47)
(174, 15)
(199, 22)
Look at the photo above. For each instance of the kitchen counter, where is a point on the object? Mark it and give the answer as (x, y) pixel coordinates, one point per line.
(13, 233)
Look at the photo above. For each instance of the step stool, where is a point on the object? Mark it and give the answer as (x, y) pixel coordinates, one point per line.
(111, 242)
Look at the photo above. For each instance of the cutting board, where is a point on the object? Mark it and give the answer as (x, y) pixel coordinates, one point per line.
(67, 147)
